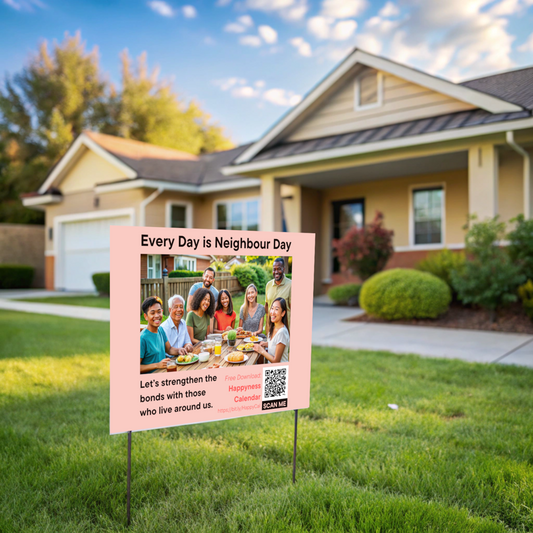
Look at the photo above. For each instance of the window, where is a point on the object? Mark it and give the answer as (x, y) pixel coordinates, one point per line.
(368, 90)
(428, 209)
(238, 215)
(346, 215)
(154, 266)
(184, 263)
(178, 216)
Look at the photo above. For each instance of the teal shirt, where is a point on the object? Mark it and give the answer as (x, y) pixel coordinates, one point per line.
(153, 347)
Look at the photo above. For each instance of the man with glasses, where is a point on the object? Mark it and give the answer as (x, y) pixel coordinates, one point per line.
(174, 326)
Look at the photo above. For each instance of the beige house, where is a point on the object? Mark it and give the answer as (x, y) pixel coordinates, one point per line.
(373, 135)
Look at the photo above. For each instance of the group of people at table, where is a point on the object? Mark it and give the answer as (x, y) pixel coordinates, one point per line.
(211, 311)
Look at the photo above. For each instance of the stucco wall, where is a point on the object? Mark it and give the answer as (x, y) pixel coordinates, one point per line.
(22, 244)
(510, 185)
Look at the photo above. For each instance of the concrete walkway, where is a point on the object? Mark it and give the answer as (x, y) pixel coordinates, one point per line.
(70, 311)
(330, 328)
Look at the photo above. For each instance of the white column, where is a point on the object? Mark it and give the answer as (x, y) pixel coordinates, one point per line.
(270, 204)
(291, 196)
(483, 181)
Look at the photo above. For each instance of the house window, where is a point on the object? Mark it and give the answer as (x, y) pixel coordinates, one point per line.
(346, 215)
(178, 216)
(238, 215)
(428, 209)
(184, 263)
(368, 90)
(154, 266)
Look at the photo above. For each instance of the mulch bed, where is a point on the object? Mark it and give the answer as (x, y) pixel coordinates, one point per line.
(512, 319)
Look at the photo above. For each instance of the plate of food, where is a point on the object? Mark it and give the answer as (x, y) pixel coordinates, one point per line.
(236, 357)
(253, 339)
(187, 359)
(246, 347)
(243, 334)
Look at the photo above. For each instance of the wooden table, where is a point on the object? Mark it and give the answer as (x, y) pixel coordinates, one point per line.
(252, 358)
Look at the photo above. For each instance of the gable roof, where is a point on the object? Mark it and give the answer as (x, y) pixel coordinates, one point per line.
(483, 100)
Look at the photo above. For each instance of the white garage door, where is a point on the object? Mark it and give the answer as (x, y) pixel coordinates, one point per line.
(85, 250)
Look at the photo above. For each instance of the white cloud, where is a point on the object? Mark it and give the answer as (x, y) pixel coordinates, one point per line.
(250, 40)
(369, 43)
(390, 9)
(291, 10)
(228, 83)
(189, 12)
(246, 20)
(506, 7)
(209, 40)
(244, 92)
(259, 84)
(240, 88)
(223, 3)
(268, 34)
(281, 97)
(343, 9)
(303, 47)
(234, 27)
(25, 5)
(319, 26)
(161, 8)
(343, 30)
(527, 46)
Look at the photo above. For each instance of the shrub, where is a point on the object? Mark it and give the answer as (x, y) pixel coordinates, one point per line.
(16, 276)
(262, 278)
(248, 273)
(442, 263)
(521, 245)
(218, 266)
(404, 294)
(347, 294)
(185, 274)
(525, 292)
(489, 278)
(101, 282)
(365, 251)
(288, 275)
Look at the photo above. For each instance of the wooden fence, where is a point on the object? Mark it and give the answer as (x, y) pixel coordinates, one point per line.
(167, 287)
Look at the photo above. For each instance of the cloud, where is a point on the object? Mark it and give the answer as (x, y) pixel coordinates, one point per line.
(390, 9)
(242, 24)
(326, 28)
(189, 12)
(222, 3)
(506, 7)
(25, 5)
(527, 46)
(246, 21)
(227, 83)
(303, 47)
(209, 40)
(343, 9)
(268, 34)
(281, 97)
(250, 40)
(260, 84)
(244, 92)
(291, 10)
(161, 8)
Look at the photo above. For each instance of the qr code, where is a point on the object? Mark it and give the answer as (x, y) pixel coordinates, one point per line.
(275, 382)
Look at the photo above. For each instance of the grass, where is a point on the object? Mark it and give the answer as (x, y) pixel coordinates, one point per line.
(457, 456)
(87, 301)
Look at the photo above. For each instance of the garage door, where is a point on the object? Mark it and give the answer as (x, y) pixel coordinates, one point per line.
(85, 250)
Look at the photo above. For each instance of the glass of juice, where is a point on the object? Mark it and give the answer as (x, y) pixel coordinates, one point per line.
(218, 347)
(172, 366)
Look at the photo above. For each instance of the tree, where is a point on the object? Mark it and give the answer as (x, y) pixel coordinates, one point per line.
(365, 251)
(521, 245)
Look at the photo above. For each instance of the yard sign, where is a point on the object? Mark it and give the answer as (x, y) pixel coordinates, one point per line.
(148, 401)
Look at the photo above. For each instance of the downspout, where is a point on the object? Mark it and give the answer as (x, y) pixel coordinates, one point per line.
(509, 137)
(146, 201)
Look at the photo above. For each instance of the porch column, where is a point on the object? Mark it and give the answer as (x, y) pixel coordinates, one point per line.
(291, 196)
(270, 204)
(483, 181)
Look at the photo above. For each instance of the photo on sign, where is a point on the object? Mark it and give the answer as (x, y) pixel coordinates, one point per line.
(206, 312)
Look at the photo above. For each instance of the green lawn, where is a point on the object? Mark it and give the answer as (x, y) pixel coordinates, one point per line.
(457, 455)
(87, 301)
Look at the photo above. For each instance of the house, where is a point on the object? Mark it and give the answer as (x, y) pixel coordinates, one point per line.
(152, 266)
(372, 135)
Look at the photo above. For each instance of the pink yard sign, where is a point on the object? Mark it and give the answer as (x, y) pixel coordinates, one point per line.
(217, 389)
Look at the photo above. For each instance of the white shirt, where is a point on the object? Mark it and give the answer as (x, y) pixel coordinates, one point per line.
(282, 336)
(177, 336)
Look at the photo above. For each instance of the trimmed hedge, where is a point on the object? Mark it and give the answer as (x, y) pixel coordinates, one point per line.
(16, 276)
(441, 264)
(347, 294)
(404, 294)
(248, 273)
(186, 274)
(101, 282)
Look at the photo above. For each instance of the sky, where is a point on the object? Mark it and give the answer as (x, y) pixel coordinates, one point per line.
(247, 62)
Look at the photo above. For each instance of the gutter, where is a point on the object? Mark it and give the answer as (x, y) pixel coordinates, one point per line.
(527, 190)
(146, 201)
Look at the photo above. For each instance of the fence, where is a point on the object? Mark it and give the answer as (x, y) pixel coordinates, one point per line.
(167, 287)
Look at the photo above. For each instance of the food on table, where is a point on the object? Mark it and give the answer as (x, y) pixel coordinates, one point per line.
(245, 347)
(253, 338)
(181, 359)
(235, 357)
(204, 357)
(243, 334)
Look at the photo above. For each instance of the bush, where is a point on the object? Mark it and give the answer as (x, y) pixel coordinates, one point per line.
(287, 275)
(525, 292)
(262, 278)
(101, 282)
(441, 264)
(365, 251)
(16, 276)
(489, 278)
(248, 273)
(521, 245)
(347, 294)
(404, 294)
(186, 274)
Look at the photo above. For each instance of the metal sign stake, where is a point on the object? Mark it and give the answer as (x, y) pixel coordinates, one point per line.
(129, 479)
(294, 451)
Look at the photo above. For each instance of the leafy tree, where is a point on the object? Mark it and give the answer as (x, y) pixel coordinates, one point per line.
(489, 278)
(521, 245)
(365, 251)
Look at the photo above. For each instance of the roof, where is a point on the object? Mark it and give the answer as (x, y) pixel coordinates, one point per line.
(451, 121)
(515, 86)
(159, 163)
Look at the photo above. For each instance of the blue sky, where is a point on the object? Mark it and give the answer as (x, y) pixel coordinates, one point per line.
(247, 61)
